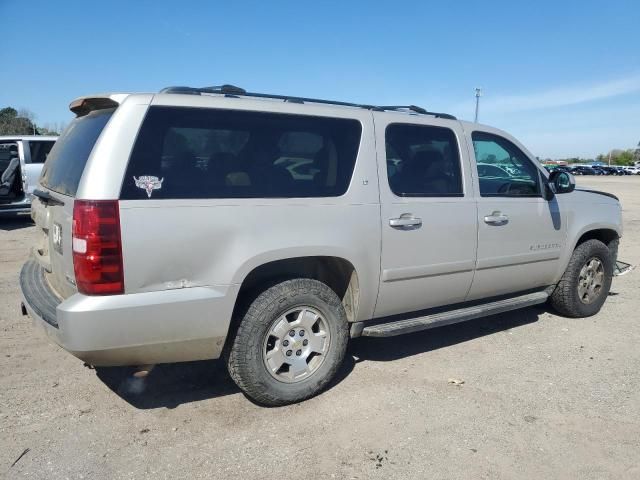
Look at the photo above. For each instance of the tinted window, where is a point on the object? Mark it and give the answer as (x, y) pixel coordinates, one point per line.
(39, 150)
(69, 155)
(503, 169)
(423, 161)
(207, 153)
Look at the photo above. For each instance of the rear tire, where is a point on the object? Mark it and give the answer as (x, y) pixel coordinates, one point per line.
(289, 343)
(585, 284)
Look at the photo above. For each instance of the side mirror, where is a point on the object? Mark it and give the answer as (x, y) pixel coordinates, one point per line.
(561, 182)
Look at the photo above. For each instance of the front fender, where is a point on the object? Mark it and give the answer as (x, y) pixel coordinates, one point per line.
(574, 238)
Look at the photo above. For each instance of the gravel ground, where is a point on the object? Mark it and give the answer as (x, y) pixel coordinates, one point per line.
(543, 397)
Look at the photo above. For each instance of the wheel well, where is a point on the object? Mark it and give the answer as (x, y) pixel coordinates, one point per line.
(607, 236)
(337, 273)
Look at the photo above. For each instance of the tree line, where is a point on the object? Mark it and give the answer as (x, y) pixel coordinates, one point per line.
(621, 157)
(614, 157)
(22, 122)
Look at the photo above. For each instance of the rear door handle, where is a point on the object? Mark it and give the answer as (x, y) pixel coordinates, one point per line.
(496, 218)
(406, 221)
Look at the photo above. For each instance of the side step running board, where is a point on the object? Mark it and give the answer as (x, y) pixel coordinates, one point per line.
(410, 325)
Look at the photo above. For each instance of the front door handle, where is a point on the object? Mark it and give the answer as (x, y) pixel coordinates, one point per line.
(496, 218)
(406, 221)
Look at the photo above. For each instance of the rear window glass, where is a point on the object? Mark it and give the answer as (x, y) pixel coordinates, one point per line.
(40, 150)
(213, 153)
(68, 157)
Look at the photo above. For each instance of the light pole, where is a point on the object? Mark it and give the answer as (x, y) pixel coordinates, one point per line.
(478, 95)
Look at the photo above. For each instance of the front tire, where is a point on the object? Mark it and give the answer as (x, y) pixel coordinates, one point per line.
(289, 343)
(585, 284)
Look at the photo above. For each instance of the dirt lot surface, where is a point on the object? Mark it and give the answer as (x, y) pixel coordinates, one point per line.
(543, 397)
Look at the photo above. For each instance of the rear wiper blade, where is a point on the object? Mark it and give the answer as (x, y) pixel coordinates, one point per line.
(47, 198)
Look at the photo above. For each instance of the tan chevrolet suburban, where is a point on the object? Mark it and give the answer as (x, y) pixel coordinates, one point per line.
(198, 223)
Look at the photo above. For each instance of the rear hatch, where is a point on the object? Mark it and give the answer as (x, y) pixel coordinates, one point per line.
(52, 206)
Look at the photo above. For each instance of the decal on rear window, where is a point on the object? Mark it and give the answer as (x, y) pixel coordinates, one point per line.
(148, 183)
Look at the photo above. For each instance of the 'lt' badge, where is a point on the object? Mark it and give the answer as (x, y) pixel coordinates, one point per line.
(148, 183)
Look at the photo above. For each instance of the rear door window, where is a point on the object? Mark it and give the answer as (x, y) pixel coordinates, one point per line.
(68, 157)
(215, 153)
(423, 161)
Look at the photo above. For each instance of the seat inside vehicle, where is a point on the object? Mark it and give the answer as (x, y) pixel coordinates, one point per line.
(9, 175)
(427, 172)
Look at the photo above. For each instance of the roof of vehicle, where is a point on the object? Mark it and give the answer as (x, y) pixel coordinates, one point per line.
(28, 137)
(84, 104)
(210, 96)
(233, 91)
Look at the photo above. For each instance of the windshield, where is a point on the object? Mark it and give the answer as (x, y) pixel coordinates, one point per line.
(66, 161)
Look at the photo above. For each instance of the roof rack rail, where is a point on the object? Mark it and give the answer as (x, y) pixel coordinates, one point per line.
(222, 89)
(420, 110)
(412, 108)
(233, 91)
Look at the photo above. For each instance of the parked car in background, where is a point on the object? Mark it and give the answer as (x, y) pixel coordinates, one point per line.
(558, 168)
(563, 168)
(609, 170)
(21, 160)
(583, 170)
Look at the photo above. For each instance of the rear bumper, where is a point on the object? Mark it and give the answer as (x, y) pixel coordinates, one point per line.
(132, 329)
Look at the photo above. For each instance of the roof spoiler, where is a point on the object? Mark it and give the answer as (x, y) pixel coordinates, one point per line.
(83, 105)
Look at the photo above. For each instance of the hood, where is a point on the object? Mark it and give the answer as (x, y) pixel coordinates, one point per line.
(598, 192)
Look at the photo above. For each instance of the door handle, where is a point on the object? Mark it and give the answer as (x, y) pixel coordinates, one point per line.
(496, 218)
(406, 221)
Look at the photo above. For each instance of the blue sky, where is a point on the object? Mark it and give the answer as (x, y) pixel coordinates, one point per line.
(562, 76)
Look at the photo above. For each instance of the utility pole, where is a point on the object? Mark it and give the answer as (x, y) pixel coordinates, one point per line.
(478, 95)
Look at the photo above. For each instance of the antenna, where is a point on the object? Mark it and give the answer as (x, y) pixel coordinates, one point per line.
(478, 95)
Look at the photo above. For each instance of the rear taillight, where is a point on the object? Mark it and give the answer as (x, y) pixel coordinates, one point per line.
(97, 250)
